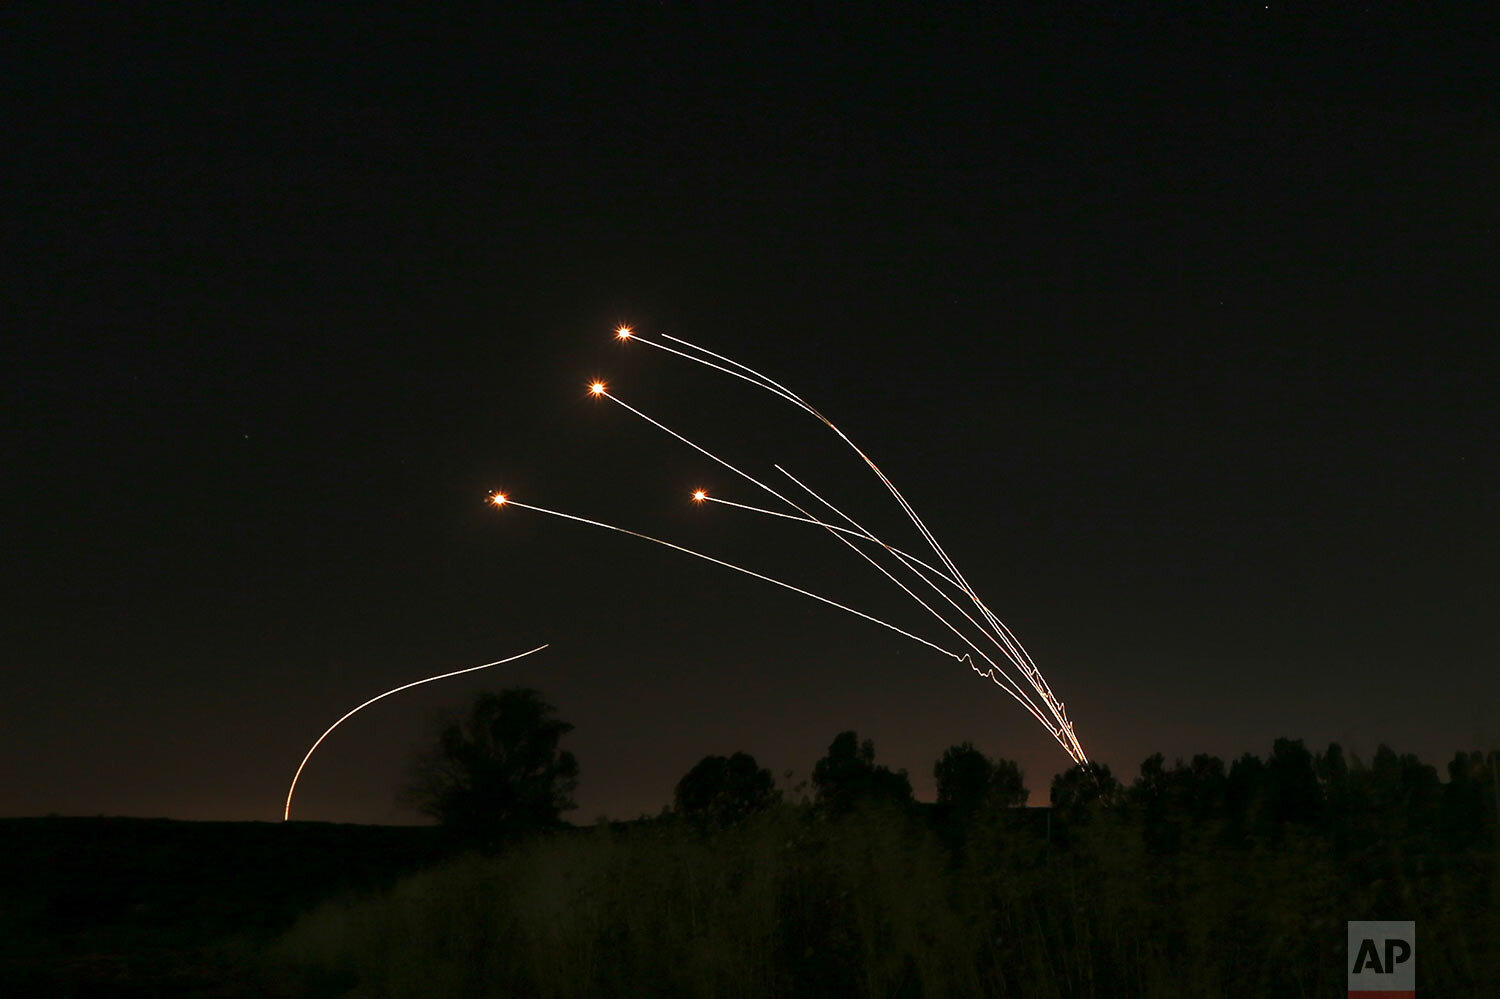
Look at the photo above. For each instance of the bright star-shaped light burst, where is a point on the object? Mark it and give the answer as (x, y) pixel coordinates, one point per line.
(497, 499)
(624, 333)
(699, 495)
(596, 388)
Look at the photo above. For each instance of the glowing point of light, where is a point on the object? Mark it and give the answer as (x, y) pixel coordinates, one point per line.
(498, 499)
(596, 388)
(699, 495)
(988, 624)
(737, 568)
(624, 333)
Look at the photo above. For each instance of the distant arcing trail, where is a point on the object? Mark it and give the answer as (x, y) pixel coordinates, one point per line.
(287, 814)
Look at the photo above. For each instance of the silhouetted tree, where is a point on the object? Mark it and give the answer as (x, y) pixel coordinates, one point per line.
(1164, 798)
(1333, 775)
(1153, 788)
(967, 780)
(1084, 786)
(1243, 790)
(1008, 785)
(723, 790)
(848, 775)
(1157, 793)
(1341, 798)
(1471, 804)
(1204, 784)
(1405, 796)
(1292, 790)
(498, 774)
(963, 777)
(1331, 765)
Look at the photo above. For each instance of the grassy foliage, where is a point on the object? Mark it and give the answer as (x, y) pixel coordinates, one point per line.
(893, 903)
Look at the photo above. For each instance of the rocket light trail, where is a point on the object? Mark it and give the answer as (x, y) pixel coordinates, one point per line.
(762, 381)
(911, 562)
(1004, 641)
(701, 496)
(499, 500)
(997, 632)
(1010, 684)
(995, 669)
(776, 388)
(1005, 648)
(994, 673)
(696, 447)
(599, 390)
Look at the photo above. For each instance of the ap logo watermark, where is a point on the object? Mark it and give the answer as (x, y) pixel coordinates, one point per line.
(1382, 960)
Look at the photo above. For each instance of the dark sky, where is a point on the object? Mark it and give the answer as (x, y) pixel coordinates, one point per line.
(1178, 329)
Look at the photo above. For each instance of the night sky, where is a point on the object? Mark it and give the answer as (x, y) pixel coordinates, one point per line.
(1178, 329)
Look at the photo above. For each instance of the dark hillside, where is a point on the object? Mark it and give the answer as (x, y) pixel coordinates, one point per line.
(115, 906)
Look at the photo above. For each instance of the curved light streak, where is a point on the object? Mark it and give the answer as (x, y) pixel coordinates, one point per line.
(287, 813)
(1005, 647)
(995, 672)
(1009, 649)
(1063, 730)
(737, 568)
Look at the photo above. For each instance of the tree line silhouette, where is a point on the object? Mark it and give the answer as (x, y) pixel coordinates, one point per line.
(1198, 877)
(499, 775)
